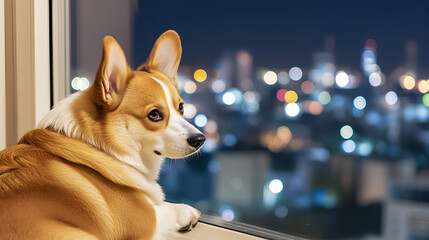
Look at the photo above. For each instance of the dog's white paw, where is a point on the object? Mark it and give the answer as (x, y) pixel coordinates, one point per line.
(187, 217)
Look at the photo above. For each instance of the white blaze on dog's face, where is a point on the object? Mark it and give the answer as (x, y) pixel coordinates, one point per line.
(146, 103)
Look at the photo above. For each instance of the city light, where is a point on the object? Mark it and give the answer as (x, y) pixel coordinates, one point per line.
(313, 107)
(275, 186)
(425, 99)
(328, 79)
(346, 132)
(408, 82)
(281, 211)
(375, 79)
(342, 79)
(369, 60)
(364, 149)
(284, 134)
(283, 78)
(391, 98)
(211, 127)
(228, 98)
(359, 102)
(307, 87)
(190, 87)
(423, 86)
(292, 109)
(349, 146)
(227, 214)
(189, 111)
(324, 98)
(270, 77)
(200, 120)
(373, 118)
(80, 84)
(218, 86)
(229, 140)
(295, 73)
(281, 95)
(200, 75)
(291, 96)
(251, 97)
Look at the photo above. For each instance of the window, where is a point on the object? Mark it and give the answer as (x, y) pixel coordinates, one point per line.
(316, 113)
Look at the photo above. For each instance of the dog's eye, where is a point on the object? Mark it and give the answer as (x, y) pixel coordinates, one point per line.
(155, 115)
(181, 109)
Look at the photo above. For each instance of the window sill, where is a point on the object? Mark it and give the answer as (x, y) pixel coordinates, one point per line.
(210, 232)
(214, 228)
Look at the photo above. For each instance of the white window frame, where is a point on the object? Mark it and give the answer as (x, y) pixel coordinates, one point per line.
(24, 67)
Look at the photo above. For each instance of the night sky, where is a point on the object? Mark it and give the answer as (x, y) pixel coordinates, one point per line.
(282, 34)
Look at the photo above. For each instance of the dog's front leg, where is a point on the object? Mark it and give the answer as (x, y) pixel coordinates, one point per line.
(175, 217)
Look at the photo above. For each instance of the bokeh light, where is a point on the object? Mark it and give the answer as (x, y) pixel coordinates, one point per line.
(307, 87)
(270, 77)
(324, 98)
(349, 146)
(391, 98)
(228, 98)
(291, 96)
(284, 134)
(346, 132)
(190, 87)
(342, 79)
(328, 79)
(275, 186)
(283, 78)
(375, 79)
(292, 109)
(189, 111)
(364, 149)
(200, 120)
(200, 75)
(218, 86)
(229, 140)
(211, 127)
(295, 73)
(80, 84)
(251, 96)
(408, 82)
(313, 107)
(359, 102)
(281, 95)
(281, 211)
(425, 99)
(423, 86)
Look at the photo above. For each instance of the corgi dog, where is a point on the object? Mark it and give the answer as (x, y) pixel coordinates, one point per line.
(90, 169)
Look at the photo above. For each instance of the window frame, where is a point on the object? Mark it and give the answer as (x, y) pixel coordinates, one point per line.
(25, 51)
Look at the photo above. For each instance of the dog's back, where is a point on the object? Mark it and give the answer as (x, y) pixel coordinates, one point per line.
(43, 196)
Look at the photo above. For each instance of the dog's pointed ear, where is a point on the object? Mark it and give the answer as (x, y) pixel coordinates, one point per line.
(112, 75)
(165, 55)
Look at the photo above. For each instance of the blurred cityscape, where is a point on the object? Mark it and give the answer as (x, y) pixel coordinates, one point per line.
(324, 151)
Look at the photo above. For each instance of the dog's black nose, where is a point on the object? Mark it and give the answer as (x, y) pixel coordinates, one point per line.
(196, 140)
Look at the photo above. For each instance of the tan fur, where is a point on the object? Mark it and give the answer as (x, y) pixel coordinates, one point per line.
(40, 183)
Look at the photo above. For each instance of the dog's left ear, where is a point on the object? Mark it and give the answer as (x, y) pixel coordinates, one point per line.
(165, 55)
(112, 75)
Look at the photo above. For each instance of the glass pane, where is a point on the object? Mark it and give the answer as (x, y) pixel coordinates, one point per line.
(316, 113)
